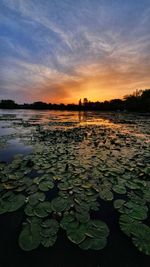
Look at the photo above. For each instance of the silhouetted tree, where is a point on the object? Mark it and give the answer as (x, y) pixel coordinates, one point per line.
(116, 104)
(8, 104)
(39, 105)
(80, 103)
(138, 101)
(85, 102)
(145, 100)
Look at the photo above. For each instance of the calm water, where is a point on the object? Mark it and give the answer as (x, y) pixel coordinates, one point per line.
(14, 130)
(17, 136)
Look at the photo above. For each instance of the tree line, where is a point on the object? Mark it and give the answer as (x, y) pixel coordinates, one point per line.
(138, 101)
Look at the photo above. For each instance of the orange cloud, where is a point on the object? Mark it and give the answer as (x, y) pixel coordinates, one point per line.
(94, 82)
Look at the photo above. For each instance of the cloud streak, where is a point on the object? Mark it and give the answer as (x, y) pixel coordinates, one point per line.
(62, 50)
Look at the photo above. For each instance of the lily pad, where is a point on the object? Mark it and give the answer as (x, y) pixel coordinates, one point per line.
(118, 203)
(42, 209)
(119, 189)
(51, 224)
(29, 237)
(49, 241)
(141, 238)
(76, 235)
(35, 198)
(68, 218)
(82, 217)
(138, 212)
(46, 185)
(106, 195)
(128, 225)
(64, 186)
(13, 203)
(93, 243)
(59, 204)
(29, 210)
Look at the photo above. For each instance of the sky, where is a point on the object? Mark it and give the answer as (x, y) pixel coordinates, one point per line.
(59, 51)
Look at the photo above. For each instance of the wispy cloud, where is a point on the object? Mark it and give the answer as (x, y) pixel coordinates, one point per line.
(61, 50)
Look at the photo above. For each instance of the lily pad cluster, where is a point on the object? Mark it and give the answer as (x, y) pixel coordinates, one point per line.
(68, 176)
(36, 232)
(89, 235)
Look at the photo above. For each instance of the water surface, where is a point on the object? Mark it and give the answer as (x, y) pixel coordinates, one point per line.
(91, 138)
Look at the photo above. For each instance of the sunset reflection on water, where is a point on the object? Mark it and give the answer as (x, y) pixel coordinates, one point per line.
(134, 124)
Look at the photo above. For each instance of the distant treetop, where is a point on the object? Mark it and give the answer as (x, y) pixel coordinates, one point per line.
(138, 101)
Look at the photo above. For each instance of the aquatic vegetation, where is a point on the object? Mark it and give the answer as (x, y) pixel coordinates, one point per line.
(11, 202)
(66, 179)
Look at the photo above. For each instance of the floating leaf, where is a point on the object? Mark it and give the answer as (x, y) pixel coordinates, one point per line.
(66, 220)
(106, 195)
(141, 238)
(42, 209)
(119, 189)
(46, 185)
(51, 224)
(136, 211)
(35, 198)
(93, 243)
(128, 225)
(76, 235)
(49, 232)
(82, 217)
(118, 203)
(29, 237)
(64, 186)
(29, 210)
(59, 204)
(49, 241)
(13, 203)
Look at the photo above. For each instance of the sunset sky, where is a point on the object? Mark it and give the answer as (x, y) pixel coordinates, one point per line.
(63, 50)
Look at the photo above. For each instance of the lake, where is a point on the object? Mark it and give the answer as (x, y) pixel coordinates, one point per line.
(75, 189)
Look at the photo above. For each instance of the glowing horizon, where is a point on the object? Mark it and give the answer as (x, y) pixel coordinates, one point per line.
(64, 50)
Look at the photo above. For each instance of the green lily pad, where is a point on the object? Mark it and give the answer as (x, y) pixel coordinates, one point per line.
(86, 186)
(46, 185)
(76, 235)
(82, 206)
(64, 186)
(138, 212)
(93, 243)
(13, 203)
(32, 189)
(128, 225)
(42, 209)
(96, 229)
(35, 198)
(29, 210)
(118, 203)
(141, 238)
(106, 195)
(16, 202)
(51, 224)
(96, 236)
(72, 226)
(119, 189)
(132, 185)
(59, 204)
(49, 241)
(94, 233)
(29, 237)
(82, 217)
(68, 218)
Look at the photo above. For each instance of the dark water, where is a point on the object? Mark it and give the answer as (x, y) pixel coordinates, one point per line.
(119, 252)
(14, 147)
